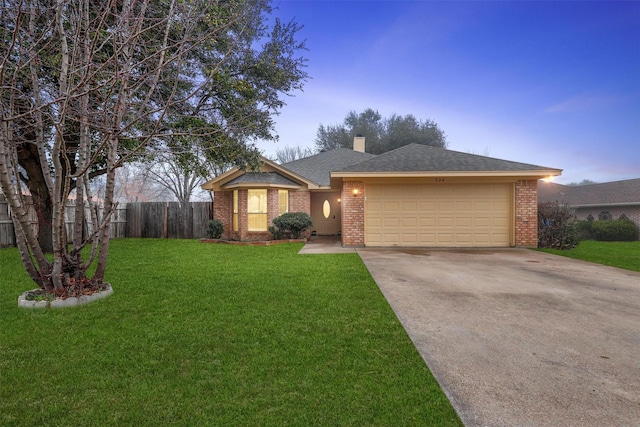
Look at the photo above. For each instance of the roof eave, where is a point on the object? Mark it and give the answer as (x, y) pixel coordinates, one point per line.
(259, 185)
(537, 174)
(338, 177)
(214, 184)
(218, 183)
(310, 184)
(597, 205)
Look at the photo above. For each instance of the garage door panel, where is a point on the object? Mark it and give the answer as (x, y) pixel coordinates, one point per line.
(427, 222)
(482, 222)
(426, 239)
(462, 206)
(500, 222)
(446, 205)
(409, 206)
(463, 215)
(392, 206)
(427, 205)
(409, 221)
(409, 239)
(464, 222)
(464, 239)
(483, 205)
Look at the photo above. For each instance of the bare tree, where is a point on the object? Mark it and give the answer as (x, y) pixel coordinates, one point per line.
(180, 182)
(134, 184)
(288, 154)
(86, 85)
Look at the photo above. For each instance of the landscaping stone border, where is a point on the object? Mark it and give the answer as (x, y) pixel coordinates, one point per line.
(256, 243)
(59, 303)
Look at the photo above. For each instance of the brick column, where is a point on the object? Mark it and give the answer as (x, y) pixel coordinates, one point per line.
(223, 210)
(242, 215)
(526, 210)
(273, 206)
(352, 213)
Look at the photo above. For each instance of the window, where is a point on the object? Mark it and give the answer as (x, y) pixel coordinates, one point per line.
(235, 210)
(604, 216)
(257, 210)
(326, 209)
(283, 201)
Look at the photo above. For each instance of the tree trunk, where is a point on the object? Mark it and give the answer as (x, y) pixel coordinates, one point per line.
(29, 160)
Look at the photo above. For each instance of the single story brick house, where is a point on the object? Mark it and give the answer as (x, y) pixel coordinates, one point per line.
(608, 200)
(413, 196)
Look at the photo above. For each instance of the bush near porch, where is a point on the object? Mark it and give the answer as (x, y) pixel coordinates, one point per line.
(215, 335)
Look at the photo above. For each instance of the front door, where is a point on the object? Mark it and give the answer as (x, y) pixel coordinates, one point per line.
(325, 213)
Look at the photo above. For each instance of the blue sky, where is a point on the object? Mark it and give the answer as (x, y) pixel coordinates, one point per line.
(553, 83)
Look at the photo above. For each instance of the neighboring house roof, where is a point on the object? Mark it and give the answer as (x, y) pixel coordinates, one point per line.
(625, 192)
(318, 167)
(273, 178)
(425, 158)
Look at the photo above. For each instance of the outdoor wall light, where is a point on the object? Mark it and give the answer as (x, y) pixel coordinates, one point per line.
(339, 200)
(355, 191)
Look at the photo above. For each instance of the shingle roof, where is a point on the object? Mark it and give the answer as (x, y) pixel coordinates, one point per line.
(262, 178)
(616, 192)
(423, 158)
(317, 168)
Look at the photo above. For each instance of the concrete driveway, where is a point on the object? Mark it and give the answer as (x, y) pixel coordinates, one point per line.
(518, 337)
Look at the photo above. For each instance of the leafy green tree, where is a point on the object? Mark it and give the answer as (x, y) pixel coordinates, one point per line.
(87, 85)
(382, 134)
(583, 182)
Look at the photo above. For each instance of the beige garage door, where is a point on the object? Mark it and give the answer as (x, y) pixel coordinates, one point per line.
(446, 215)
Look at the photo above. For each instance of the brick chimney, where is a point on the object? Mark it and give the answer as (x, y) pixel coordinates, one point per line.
(358, 143)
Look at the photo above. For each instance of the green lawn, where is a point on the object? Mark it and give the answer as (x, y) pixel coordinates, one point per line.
(200, 334)
(616, 254)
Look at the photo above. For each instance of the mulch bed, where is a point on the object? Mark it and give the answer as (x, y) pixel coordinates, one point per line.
(255, 243)
(76, 288)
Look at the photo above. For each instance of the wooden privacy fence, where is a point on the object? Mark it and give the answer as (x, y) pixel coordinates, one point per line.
(7, 234)
(118, 220)
(149, 219)
(168, 220)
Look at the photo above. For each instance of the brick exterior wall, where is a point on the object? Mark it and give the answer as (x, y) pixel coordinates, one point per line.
(526, 211)
(222, 209)
(352, 213)
(631, 212)
(299, 201)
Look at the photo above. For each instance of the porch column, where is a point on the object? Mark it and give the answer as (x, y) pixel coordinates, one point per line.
(352, 213)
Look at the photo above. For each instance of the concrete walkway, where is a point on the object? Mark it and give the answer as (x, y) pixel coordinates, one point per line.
(325, 245)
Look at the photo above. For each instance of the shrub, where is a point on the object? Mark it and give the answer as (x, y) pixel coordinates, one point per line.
(215, 229)
(275, 232)
(583, 229)
(556, 228)
(615, 230)
(290, 225)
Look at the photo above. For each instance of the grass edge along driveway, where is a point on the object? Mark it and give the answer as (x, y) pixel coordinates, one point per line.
(614, 254)
(199, 334)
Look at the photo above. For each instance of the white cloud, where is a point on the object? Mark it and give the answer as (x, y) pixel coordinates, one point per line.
(585, 103)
